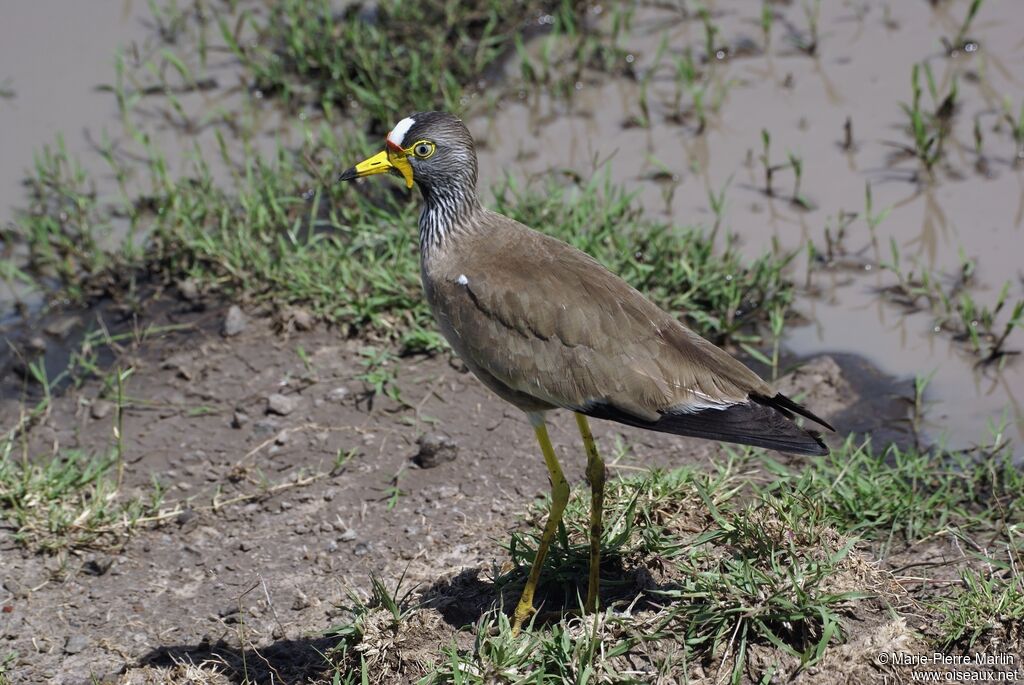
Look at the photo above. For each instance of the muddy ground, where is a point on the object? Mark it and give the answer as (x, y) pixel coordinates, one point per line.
(264, 536)
(288, 485)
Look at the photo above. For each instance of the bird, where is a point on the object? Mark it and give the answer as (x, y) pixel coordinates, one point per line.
(545, 326)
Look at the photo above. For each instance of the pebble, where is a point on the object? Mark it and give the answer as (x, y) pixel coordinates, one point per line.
(264, 427)
(348, 536)
(61, 327)
(435, 449)
(180, 363)
(239, 418)
(16, 588)
(282, 405)
(234, 322)
(75, 643)
(301, 601)
(361, 550)
(339, 394)
(100, 409)
(301, 319)
(188, 289)
(442, 492)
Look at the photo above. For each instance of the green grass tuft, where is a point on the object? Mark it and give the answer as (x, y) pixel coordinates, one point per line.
(372, 58)
(984, 603)
(67, 501)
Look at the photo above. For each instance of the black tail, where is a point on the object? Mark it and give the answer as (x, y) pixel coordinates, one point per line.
(788, 407)
(760, 423)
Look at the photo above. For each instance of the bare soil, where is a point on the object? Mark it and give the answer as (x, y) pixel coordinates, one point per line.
(264, 538)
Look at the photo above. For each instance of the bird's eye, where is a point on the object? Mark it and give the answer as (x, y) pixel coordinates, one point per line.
(423, 149)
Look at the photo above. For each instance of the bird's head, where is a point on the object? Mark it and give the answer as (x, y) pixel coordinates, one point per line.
(432, 149)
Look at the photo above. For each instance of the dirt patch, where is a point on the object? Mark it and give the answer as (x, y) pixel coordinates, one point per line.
(277, 511)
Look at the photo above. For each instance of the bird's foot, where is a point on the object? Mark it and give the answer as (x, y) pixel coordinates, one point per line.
(522, 613)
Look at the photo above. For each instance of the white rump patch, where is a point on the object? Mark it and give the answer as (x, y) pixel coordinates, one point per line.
(701, 402)
(397, 134)
(462, 280)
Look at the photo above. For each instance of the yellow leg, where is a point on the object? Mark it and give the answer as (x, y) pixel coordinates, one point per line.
(559, 498)
(596, 476)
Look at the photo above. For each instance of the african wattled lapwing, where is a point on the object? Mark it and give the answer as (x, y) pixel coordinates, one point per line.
(545, 326)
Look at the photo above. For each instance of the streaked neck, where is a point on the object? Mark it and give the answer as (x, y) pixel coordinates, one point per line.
(447, 212)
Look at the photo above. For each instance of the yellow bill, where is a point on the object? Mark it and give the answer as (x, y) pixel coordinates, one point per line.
(381, 163)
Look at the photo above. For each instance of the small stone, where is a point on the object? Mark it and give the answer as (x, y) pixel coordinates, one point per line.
(282, 405)
(301, 601)
(339, 394)
(447, 491)
(188, 289)
(97, 565)
(16, 588)
(264, 427)
(239, 418)
(100, 409)
(234, 322)
(61, 327)
(181, 363)
(301, 319)
(37, 344)
(361, 550)
(75, 643)
(348, 536)
(185, 516)
(435, 449)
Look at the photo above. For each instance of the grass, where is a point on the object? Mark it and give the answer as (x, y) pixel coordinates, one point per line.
(983, 328)
(961, 42)
(985, 602)
(1016, 125)
(288, 236)
(704, 568)
(69, 500)
(425, 55)
(63, 225)
(929, 129)
(729, 574)
(904, 494)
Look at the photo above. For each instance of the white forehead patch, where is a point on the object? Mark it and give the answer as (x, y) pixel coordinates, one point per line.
(397, 135)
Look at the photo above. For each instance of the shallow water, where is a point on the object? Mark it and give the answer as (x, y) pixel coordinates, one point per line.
(67, 90)
(862, 71)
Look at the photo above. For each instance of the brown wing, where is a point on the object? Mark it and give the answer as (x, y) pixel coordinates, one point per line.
(549, 321)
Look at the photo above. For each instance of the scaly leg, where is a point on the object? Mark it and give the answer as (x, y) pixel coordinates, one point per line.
(559, 498)
(596, 476)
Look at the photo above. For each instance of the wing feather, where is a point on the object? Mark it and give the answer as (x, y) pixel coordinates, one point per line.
(550, 321)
